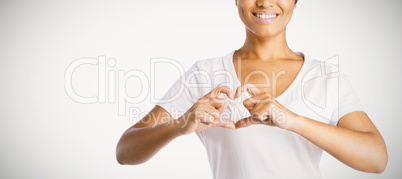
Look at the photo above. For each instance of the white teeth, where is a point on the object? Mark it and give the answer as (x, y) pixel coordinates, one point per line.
(265, 16)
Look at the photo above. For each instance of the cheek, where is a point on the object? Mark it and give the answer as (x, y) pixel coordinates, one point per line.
(287, 10)
(243, 14)
(288, 16)
(287, 2)
(244, 9)
(287, 6)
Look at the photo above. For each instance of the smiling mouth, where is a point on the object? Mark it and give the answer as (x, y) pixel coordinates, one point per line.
(264, 15)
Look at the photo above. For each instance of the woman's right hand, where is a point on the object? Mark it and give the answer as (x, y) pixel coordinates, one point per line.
(205, 113)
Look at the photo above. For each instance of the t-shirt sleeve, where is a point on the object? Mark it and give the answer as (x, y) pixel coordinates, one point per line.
(182, 94)
(349, 101)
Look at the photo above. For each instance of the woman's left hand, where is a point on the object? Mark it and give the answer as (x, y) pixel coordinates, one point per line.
(264, 109)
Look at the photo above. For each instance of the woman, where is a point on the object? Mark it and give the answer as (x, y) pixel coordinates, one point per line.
(254, 109)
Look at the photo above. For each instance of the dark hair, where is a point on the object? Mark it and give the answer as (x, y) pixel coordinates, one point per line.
(296, 2)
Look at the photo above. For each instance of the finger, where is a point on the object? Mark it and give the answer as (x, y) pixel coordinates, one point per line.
(213, 112)
(264, 115)
(241, 89)
(226, 123)
(207, 118)
(268, 121)
(217, 102)
(251, 89)
(255, 108)
(260, 115)
(252, 101)
(249, 103)
(245, 122)
(257, 99)
(221, 89)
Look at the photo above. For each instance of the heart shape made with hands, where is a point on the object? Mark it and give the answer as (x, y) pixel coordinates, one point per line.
(253, 104)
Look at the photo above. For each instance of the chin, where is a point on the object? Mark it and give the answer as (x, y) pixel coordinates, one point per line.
(265, 32)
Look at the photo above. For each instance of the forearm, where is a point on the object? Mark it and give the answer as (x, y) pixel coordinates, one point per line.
(364, 151)
(137, 145)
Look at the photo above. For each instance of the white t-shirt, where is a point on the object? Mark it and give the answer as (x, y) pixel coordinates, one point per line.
(261, 151)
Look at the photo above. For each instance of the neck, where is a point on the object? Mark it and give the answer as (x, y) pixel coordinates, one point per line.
(271, 48)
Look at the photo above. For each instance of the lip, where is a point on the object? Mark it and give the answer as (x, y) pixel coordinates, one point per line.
(265, 21)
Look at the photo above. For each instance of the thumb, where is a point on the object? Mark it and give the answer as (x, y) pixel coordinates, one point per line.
(226, 123)
(245, 122)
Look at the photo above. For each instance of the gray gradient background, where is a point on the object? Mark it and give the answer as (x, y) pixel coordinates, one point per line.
(45, 134)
